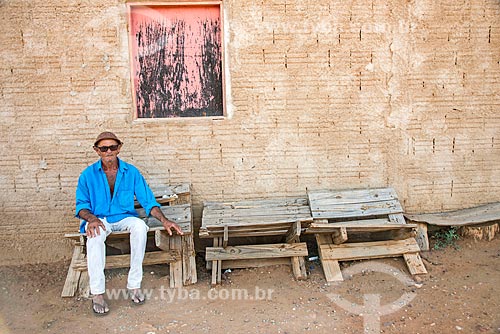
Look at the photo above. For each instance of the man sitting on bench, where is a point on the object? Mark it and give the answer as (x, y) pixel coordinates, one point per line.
(105, 203)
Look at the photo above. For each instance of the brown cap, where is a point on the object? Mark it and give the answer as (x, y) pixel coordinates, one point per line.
(107, 135)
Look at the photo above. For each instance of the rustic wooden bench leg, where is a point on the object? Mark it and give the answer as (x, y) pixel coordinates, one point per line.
(331, 268)
(176, 266)
(217, 265)
(299, 267)
(298, 263)
(421, 237)
(73, 276)
(188, 260)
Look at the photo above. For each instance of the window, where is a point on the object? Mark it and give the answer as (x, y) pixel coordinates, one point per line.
(176, 59)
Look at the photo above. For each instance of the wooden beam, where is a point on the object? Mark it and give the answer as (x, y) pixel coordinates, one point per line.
(251, 263)
(176, 266)
(73, 276)
(256, 251)
(162, 240)
(226, 236)
(339, 236)
(331, 268)
(368, 250)
(421, 237)
(293, 234)
(414, 263)
(123, 261)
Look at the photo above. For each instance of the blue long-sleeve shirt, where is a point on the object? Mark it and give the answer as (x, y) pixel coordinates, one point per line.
(93, 194)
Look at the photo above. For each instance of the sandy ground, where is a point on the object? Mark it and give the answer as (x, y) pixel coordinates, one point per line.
(460, 294)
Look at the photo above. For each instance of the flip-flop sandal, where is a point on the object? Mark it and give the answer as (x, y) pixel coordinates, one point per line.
(139, 301)
(99, 314)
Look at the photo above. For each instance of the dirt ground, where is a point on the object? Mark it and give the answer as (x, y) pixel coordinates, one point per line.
(460, 294)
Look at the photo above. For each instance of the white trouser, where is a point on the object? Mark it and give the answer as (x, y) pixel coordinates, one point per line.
(96, 253)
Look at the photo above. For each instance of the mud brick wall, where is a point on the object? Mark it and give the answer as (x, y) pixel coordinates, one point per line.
(320, 94)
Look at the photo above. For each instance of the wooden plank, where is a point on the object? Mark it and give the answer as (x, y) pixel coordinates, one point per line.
(300, 212)
(351, 196)
(368, 250)
(353, 227)
(356, 209)
(251, 221)
(398, 218)
(123, 261)
(255, 230)
(84, 285)
(189, 275)
(340, 236)
(252, 233)
(470, 216)
(414, 263)
(225, 237)
(276, 202)
(168, 190)
(162, 240)
(256, 251)
(293, 234)
(73, 275)
(252, 263)
(216, 264)
(299, 267)
(176, 266)
(331, 268)
(421, 237)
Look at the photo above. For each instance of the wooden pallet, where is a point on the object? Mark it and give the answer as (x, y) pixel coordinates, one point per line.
(222, 221)
(177, 251)
(341, 217)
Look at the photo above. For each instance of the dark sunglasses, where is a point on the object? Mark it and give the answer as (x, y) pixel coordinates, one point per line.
(106, 148)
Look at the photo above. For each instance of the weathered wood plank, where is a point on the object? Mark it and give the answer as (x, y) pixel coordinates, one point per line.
(176, 266)
(256, 251)
(123, 261)
(470, 216)
(398, 218)
(214, 223)
(73, 275)
(189, 275)
(356, 209)
(353, 226)
(352, 196)
(216, 264)
(421, 236)
(279, 202)
(331, 268)
(162, 240)
(293, 234)
(368, 250)
(340, 236)
(414, 263)
(251, 233)
(299, 267)
(252, 263)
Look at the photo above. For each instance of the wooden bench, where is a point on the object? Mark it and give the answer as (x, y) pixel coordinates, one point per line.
(484, 218)
(224, 221)
(177, 251)
(361, 224)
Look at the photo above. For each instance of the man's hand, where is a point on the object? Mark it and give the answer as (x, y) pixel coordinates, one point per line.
(93, 229)
(169, 225)
(93, 223)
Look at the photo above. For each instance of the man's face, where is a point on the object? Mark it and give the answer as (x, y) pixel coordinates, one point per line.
(109, 155)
